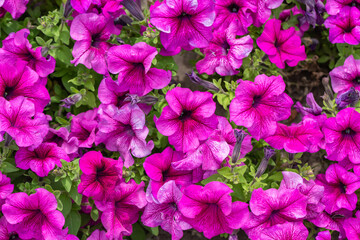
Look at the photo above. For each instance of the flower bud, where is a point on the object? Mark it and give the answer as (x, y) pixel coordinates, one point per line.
(71, 100)
(240, 136)
(123, 20)
(134, 9)
(197, 80)
(348, 98)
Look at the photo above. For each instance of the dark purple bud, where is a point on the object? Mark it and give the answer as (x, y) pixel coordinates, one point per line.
(348, 98)
(240, 136)
(134, 9)
(134, 99)
(197, 80)
(67, 9)
(268, 153)
(313, 109)
(44, 51)
(71, 100)
(120, 41)
(123, 20)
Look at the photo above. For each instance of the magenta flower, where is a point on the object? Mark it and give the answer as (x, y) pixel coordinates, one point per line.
(35, 216)
(6, 188)
(188, 119)
(124, 130)
(184, 24)
(263, 11)
(62, 139)
(123, 209)
(81, 6)
(324, 235)
(165, 213)
(260, 104)
(285, 231)
(42, 159)
(273, 207)
(352, 227)
(20, 120)
(18, 50)
(7, 230)
(282, 46)
(303, 137)
(343, 78)
(91, 31)
(345, 26)
(84, 127)
(340, 186)
(133, 64)
(225, 53)
(236, 12)
(159, 168)
(333, 7)
(15, 7)
(98, 235)
(99, 177)
(209, 209)
(342, 136)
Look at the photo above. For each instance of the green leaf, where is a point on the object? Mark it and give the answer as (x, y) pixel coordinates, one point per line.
(155, 231)
(8, 168)
(94, 214)
(73, 221)
(138, 232)
(66, 202)
(40, 41)
(75, 195)
(66, 182)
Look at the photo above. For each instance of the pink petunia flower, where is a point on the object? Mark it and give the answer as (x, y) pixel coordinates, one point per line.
(285, 231)
(7, 230)
(333, 7)
(209, 209)
(185, 24)
(99, 177)
(340, 186)
(263, 10)
(282, 46)
(133, 64)
(20, 120)
(342, 136)
(42, 159)
(225, 53)
(98, 235)
(84, 127)
(345, 26)
(61, 138)
(91, 31)
(352, 227)
(324, 235)
(18, 50)
(124, 130)
(165, 213)
(260, 104)
(6, 188)
(188, 119)
(15, 7)
(34, 216)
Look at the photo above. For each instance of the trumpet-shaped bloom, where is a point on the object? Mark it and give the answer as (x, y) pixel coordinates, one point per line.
(282, 46)
(6, 188)
(225, 53)
(42, 159)
(165, 213)
(340, 186)
(303, 137)
(159, 169)
(260, 104)
(15, 7)
(236, 12)
(34, 216)
(84, 127)
(342, 136)
(188, 119)
(122, 210)
(334, 7)
(273, 207)
(209, 209)
(91, 31)
(124, 130)
(18, 50)
(285, 231)
(99, 177)
(345, 26)
(263, 11)
(133, 64)
(347, 76)
(185, 24)
(20, 120)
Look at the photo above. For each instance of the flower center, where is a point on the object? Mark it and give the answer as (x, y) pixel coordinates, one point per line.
(14, 236)
(184, 15)
(129, 130)
(226, 46)
(8, 92)
(234, 8)
(185, 115)
(173, 206)
(356, 81)
(139, 66)
(95, 39)
(348, 132)
(256, 100)
(354, 3)
(342, 187)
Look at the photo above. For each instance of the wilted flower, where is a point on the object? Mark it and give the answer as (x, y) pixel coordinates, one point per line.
(71, 100)
(348, 98)
(314, 108)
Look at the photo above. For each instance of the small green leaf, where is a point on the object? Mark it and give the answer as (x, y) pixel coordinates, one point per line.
(73, 221)
(66, 182)
(138, 232)
(94, 214)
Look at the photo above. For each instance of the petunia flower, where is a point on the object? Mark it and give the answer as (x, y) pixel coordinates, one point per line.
(209, 209)
(124, 130)
(342, 136)
(285, 231)
(235, 12)
(188, 119)
(18, 50)
(352, 227)
(42, 159)
(333, 7)
(165, 212)
(346, 76)
(98, 235)
(302, 137)
(348, 98)
(133, 64)
(34, 216)
(6, 188)
(286, 14)
(271, 207)
(7, 230)
(340, 186)
(324, 235)
(263, 10)
(61, 138)
(84, 127)
(91, 31)
(225, 53)
(122, 210)
(313, 13)
(20, 120)
(185, 24)
(81, 6)
(313, 109)
(282, 46)
(260, 104)
(15, 7)
(100, 175)
(345, 26)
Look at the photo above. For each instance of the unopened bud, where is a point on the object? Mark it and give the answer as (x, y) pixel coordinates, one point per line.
(123, 20)
(197, 80)
(240, 136)
(348, 98)
(134, 9)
